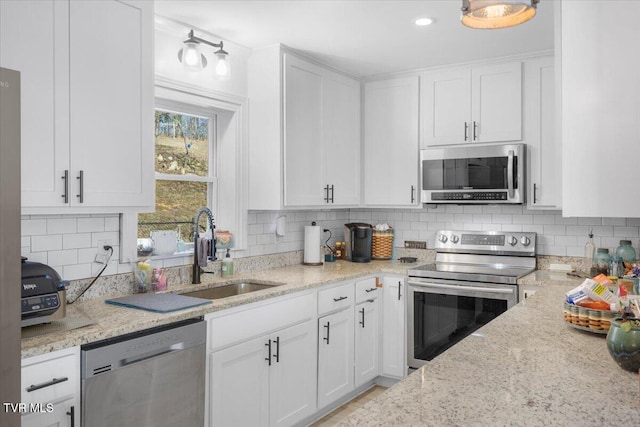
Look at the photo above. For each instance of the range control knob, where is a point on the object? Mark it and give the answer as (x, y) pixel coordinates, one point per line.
(442, 238)
(512, 240)
(454, 239)
(525, 241)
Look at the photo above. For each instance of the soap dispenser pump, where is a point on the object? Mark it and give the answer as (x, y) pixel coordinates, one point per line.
(227, 265)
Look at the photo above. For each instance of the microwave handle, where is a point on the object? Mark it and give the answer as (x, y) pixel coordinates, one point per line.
(510, 175)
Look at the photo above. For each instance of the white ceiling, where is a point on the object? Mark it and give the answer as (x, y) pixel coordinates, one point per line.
(364, 38)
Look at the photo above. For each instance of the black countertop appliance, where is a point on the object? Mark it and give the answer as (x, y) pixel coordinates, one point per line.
(42, 293)
(357, 237)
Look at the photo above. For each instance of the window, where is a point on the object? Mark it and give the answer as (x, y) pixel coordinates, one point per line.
(184, 166)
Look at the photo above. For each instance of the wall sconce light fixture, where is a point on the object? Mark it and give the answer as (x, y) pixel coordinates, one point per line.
(494, 14)
(193, 60)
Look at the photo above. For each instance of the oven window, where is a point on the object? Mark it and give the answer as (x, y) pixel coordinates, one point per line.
(440, 321)
(486, 173)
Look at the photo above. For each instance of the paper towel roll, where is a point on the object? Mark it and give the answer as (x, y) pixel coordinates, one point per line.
(312, 243)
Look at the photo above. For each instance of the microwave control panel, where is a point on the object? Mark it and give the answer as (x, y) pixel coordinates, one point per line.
(470, 195)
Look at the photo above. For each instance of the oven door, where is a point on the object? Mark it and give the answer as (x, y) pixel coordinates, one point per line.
(442, 312)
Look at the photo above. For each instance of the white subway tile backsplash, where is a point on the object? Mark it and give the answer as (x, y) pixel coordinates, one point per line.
(88, 225)
(46, 243)
(33, 227)
(64, 257)
(61, 226)
(69, 242)
(76, 241)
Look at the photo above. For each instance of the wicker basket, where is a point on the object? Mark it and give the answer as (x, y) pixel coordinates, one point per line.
(382, 244)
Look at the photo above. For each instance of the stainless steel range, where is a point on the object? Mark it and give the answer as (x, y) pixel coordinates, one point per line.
(472, 282)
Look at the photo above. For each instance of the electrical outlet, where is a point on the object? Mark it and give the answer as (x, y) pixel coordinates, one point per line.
(102, 256)
(528, 293)
(412, 244)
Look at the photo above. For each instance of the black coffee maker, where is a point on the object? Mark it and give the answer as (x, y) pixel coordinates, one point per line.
(357, 238)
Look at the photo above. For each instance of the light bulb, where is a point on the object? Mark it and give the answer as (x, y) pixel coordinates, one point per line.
(222, 66)
(191, 56)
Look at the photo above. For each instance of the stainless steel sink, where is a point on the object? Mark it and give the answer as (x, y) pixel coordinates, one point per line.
(229, 290)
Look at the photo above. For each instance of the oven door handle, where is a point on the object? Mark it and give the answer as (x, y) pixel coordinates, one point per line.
(462, 288)
(510, 175)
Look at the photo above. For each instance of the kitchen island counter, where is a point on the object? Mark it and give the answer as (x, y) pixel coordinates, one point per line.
(525, 368)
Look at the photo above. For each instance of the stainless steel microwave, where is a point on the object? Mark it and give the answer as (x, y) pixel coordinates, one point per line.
(474, 174)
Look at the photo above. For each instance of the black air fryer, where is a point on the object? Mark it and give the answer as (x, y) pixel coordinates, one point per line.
(357, 238)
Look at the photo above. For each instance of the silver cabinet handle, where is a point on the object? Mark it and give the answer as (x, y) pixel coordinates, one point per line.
(370, 290)
(534, 193)
(362, 312)
(65, 178)
(81, 195)
(326, 193)
(413, 192)
(339, 299)
(54, 381)
(466, 128)
(475, 130)
(332, 193)
(399, 290)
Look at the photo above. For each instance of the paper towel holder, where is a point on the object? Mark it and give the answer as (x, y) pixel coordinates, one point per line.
(312, 245)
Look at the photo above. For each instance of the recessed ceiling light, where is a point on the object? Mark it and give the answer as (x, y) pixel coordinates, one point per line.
(423, 22)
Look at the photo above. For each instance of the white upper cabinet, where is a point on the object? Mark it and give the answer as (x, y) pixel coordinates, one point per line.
(600, 108)
(391, 142)
(543, 150)
(87, 104)
(304, 134)
(480, 104)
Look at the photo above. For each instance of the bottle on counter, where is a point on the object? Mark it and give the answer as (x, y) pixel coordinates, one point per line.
(227, 265)
(601, 262)
(158, 280)
(626, 251)
(589, 252)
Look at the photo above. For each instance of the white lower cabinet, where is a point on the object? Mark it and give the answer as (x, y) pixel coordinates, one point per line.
(50, 387)
(335, 356)
(394, 353)
(262, 364)
(335, 343)
(367, 341)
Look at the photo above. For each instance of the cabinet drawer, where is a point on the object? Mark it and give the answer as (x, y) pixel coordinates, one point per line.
(256, 321)
(50, 380)
(366, 289)
(335, 298)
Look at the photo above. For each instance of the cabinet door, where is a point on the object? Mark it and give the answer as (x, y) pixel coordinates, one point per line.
(391, 142)
(544, 155)
(303, 180)
(445, 102)
(335, 356)
(394, 354)
(600, 108)
(111, 103)
(239, 385)
(367, 349)
(30, 33)
(293, 375)
(496, 103)
(63, 414)
(341, 139)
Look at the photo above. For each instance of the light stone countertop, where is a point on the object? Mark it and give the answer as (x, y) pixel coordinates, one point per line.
(110, 321)
(525, 368)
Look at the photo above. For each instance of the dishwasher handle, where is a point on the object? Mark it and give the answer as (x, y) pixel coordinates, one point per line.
(152, 354)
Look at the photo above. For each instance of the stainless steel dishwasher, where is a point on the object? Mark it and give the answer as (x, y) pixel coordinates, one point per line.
(153, 378)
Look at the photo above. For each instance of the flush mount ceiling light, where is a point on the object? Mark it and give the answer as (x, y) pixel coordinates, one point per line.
(494, 14)
(193, 60)
(423, 22)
